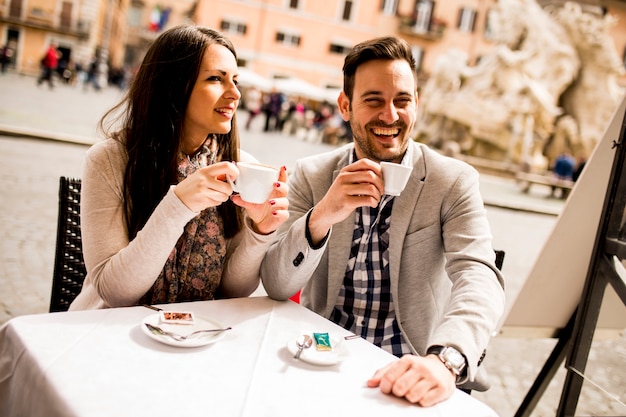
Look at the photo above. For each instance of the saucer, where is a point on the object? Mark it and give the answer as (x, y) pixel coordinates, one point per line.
(200, 323)
(320, 357)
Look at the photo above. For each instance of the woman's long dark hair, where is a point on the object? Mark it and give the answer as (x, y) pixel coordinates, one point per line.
(149, 122)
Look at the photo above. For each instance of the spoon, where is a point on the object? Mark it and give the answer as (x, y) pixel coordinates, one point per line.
(303, 342)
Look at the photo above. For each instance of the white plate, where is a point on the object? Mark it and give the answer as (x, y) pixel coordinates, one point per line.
(320, 357)
(184, 329)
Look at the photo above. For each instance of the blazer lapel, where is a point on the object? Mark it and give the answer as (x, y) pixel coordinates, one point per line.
(404, 206)
(341, 236)
(338, 254)
(339, 247)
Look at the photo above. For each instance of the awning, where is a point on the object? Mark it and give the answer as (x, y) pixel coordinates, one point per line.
(249, 78)
(298, 87)
(289, 86)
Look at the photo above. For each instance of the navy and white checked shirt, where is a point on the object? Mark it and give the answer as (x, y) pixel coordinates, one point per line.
(365, 305)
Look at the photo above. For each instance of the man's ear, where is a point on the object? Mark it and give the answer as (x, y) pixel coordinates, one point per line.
(343, 103)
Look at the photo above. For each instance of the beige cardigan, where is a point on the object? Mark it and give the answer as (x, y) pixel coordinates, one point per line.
(120, 272)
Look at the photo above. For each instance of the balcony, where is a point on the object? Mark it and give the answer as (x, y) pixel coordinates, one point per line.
(48, 21)
(40, 16)
(435, 30)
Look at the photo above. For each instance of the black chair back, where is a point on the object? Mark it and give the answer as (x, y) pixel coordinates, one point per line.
(69, 266)
(499, 258)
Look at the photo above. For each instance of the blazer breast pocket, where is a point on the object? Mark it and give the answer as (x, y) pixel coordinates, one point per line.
(422, 235)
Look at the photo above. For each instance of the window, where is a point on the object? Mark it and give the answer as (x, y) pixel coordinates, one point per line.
(418, 54)
(293, 4)
(338, 48)
(289, 39)
(15, 8)
(467, 20)
(230, 26)
(347, 10)
(389, 7)
(134, 17)
(66, 15)
(37, 11)
(423, 14)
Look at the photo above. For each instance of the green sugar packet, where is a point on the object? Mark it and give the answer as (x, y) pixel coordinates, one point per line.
(322, 341)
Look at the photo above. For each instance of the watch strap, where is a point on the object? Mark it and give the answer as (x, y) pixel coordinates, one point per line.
(434, 350)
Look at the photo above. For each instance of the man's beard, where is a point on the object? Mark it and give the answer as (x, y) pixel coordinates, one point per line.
(363, 139)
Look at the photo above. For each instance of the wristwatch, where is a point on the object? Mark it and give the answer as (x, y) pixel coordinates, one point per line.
(452, 358)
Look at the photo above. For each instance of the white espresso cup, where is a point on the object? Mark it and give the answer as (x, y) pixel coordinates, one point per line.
(395, 177)
(255, 182)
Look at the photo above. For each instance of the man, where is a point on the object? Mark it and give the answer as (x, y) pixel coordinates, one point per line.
(413, 274)
(563, 172)
(49, 64)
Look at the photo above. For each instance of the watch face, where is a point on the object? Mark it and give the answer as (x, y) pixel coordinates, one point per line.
(454, 358)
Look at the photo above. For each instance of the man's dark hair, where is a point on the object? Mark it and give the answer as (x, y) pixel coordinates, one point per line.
(387, 48)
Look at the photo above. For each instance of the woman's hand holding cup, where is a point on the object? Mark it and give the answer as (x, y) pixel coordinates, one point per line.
(266, 216)
(207, 187)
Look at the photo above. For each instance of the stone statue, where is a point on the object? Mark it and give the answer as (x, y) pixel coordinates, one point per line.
(506, 107)
(595, 94)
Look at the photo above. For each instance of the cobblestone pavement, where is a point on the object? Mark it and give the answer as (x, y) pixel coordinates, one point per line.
(29, 175)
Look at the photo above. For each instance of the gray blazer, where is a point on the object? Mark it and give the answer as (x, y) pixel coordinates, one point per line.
(445, 286)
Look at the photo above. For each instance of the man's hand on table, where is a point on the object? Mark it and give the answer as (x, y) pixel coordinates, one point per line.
(421, 380)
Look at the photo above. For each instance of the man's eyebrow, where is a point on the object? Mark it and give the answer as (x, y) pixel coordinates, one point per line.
(378, 93)
(371, 93)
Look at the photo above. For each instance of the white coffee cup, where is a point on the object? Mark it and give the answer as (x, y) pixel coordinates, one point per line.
(395, 177)
(255, 182)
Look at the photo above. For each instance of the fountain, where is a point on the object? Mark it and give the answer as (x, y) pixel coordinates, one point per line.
(549, 85)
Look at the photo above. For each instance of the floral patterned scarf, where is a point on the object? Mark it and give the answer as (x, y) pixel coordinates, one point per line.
(193, 270)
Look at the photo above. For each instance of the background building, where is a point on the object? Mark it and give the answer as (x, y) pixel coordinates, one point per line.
(146, 19)
(300, 40)
(82, 30)
(309, 39)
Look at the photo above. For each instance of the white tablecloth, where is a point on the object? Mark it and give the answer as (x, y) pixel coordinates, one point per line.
(100, 363)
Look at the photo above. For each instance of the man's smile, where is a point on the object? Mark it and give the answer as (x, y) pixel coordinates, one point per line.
(386, 131)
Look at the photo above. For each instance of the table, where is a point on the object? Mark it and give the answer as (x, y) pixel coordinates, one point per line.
(100, 363)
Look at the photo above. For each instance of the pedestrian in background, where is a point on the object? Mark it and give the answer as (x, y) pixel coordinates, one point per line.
(296, 114)
(564, 165)
(563, 171)
(91, 77)
(253, 101)
(159, 223)
(49, 64)
(272, 106)
(6, 56)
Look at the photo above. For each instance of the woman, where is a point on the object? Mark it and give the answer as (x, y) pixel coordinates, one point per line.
(158, 221)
